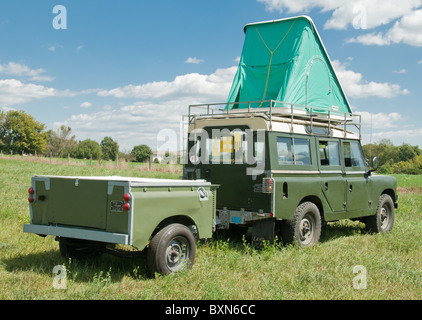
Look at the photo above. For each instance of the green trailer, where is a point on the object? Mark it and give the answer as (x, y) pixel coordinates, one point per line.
(90, 214)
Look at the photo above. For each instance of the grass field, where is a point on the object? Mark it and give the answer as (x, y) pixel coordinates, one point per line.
(224, 269)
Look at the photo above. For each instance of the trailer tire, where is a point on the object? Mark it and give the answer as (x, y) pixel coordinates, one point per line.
(171, 249)
(305, 227)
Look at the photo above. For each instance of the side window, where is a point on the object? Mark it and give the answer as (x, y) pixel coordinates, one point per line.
(293, 151)
(329, 153)
(353, 156)
(285, 150)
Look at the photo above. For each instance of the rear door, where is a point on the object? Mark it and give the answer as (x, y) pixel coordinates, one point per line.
(227, 157)
(78, 202)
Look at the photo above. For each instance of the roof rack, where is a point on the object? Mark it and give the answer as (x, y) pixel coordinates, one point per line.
(278, 111)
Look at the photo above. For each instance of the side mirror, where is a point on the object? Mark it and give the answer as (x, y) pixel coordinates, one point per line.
(375, 163)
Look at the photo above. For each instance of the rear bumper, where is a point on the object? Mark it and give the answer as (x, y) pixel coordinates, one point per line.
(77, 233)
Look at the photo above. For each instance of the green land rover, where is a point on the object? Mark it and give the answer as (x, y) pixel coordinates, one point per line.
(285, 172)
(285, 147)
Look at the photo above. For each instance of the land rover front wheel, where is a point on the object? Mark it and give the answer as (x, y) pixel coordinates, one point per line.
(171, 249)
(305, 227)
(383, 220)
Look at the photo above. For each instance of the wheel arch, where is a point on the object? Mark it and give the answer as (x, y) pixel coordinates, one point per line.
(182, 219)
(316, 201)
(390, 192)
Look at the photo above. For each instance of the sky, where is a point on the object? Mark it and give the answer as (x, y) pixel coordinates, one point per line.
(129, 69)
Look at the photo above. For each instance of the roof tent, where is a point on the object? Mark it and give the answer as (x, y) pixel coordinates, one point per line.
(285, 60)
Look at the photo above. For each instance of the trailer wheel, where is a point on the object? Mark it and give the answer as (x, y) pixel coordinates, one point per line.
(305, 227)
(383, 220)
(171, 249)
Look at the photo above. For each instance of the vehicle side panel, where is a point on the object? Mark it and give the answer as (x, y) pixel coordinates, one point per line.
(153, 205)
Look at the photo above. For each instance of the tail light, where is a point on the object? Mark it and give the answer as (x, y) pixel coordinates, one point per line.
(267, 185)
(126, 199)
(31, 192)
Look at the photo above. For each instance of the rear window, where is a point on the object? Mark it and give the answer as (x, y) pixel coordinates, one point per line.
(230, 147)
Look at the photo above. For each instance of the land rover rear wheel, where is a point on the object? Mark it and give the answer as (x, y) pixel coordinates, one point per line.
(305, 227)
(171, 249)
(383, 220)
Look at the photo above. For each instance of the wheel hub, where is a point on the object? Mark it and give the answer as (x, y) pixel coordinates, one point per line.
(305, 230)
(384, 217)
(176, 254)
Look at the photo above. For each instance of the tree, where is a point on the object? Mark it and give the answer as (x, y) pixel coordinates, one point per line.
(86, 148)
(20, 132)
(61, 143)
(141, 153)
(109, 148)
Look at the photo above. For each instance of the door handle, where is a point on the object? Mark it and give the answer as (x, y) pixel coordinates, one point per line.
(350, 188)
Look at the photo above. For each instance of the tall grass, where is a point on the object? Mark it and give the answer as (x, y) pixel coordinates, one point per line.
(226, 267)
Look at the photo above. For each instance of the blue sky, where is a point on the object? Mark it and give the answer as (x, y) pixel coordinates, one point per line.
(129, 69)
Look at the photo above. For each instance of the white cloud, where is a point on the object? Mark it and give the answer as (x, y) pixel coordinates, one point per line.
(368, 14)
(370, 39)
(194, 60)
(86, 104)
(55, 46)
(21, 70)
(380, 120)
(407, 30)
(401, 71)
(355, 87)
(14, 92)
(347, 12)
(397, 136)
(195, 86)
(393, 126)
(420, 61)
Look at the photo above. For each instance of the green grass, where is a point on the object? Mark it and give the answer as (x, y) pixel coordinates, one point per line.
(224, 269)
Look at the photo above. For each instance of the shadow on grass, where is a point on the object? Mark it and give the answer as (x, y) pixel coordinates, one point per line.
(238, 237)
(105, 267)
(345, 228)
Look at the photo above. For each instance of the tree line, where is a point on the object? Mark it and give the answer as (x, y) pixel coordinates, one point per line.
(21, 133)
(406, 159)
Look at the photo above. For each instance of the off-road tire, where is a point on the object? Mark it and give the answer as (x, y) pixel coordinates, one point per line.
(305, 227)
(171, 249)
(383, 220)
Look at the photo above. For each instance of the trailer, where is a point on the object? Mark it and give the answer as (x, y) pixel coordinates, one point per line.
(89, 214)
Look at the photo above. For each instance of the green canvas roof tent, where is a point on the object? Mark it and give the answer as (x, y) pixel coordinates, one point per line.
(285, 60)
